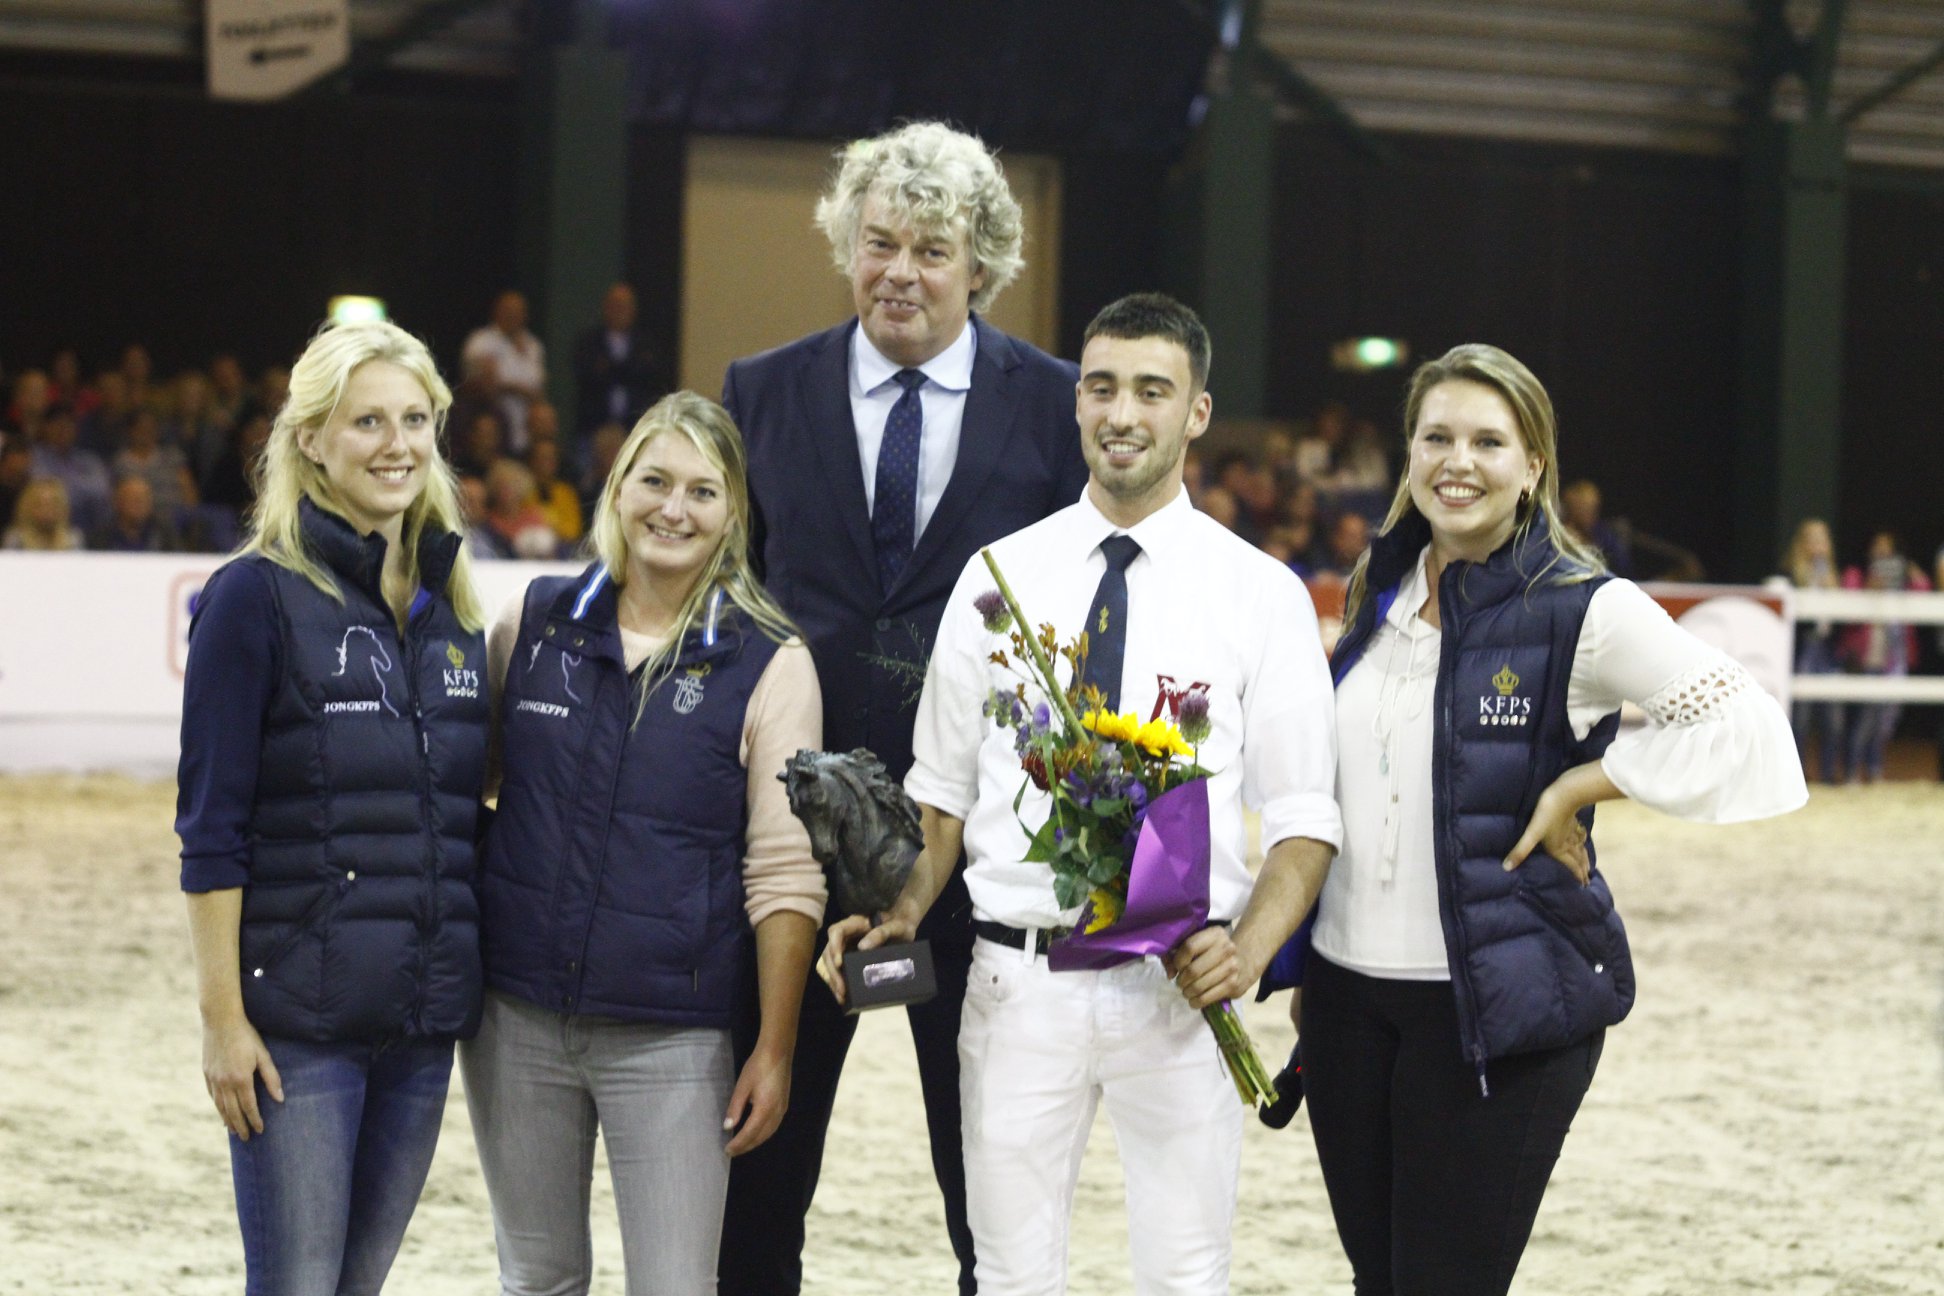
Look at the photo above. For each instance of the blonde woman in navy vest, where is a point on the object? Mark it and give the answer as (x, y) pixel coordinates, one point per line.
(333, 749)
(642, 842)
(1466, 958)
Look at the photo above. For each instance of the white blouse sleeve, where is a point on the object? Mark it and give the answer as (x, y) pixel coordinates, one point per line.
(1715, 748)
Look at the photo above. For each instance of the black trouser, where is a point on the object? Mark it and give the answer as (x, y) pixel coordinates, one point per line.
(1434, 1186)
(770, 1188)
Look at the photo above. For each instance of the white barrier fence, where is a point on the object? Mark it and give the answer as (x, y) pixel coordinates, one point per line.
(92, 648)
(1895, 607)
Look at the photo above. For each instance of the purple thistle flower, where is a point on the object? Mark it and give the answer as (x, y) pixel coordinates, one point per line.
(993, 611)
(1192, 717)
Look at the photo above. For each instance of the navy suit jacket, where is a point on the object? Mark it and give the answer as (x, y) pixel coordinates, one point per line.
(1018, 460)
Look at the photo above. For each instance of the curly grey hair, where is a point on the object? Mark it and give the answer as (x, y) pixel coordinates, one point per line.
(938, 179)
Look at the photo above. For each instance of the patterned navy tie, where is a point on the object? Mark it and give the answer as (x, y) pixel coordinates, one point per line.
(1107, 619)
(894, 508)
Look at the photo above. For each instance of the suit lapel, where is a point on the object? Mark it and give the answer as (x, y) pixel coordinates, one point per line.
(823, 385)
(983, 434)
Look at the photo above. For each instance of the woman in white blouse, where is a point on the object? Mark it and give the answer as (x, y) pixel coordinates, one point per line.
(1466, 958)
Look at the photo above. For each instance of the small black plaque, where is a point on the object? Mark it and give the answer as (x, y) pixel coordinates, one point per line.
(889, 976)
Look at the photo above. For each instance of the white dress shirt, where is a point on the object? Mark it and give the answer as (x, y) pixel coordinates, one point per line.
(948, 378)
(520, 361)
(1206, 611)
(1715, 749)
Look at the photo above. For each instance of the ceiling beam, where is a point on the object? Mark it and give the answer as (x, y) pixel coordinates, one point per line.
(1895, 86)
(1776, 51)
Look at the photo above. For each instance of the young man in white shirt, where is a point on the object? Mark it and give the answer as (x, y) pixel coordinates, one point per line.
(1203, 612)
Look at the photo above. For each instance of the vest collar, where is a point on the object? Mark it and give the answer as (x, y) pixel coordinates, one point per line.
(590, 608)
(360, 559)
(1505, 573)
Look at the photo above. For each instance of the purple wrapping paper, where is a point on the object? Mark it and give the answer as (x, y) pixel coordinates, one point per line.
(1167, 889)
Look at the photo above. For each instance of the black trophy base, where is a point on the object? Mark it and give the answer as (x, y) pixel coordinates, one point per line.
(889, 976)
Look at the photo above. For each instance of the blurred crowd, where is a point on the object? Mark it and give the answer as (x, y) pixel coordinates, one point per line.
(124, 460)
(1313, 493)
(1849, 741)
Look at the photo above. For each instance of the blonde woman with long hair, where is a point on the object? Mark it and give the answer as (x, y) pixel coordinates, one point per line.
(333, 750)
(1810, 563)
(642, 843)
(41, 519)
(1466, 958)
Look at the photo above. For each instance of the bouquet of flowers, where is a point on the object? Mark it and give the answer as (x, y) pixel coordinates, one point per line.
(1127, 832)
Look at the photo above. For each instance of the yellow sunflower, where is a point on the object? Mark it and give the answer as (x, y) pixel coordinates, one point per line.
(1114, 728)
(1106, 908)
(1162, 739)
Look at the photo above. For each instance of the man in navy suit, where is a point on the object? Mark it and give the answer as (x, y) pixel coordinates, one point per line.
(883, 454)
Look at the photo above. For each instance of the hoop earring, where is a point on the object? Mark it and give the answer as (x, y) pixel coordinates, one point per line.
(1525, 498)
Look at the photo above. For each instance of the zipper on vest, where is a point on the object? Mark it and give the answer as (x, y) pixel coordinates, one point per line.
(408, 649)
(1446, 869)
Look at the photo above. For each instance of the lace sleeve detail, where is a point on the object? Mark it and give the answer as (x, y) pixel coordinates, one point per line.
(1698, 695)
(1716, 748)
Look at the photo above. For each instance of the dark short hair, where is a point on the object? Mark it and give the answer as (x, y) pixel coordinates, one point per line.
(1146, 315)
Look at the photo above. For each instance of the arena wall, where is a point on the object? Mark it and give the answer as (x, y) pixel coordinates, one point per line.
(92, 653)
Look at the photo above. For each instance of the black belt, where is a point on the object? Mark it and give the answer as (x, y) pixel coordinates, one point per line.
(1000, 934)
(1015, 937)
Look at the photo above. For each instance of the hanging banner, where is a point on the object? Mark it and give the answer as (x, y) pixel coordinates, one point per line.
(266, 49)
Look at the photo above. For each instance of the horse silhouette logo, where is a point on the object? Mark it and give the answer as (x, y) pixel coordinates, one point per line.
(379, 658)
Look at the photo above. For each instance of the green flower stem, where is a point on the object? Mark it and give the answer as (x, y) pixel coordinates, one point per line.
(1045, 668)
(1253, 1084)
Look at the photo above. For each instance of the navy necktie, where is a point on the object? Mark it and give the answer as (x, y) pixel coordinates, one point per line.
(894, 506)
(1107, 619)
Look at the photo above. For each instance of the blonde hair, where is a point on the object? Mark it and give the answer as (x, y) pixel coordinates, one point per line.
(1796, 561)
(31, 535)
(511, 472)
(1538, 428)
(706, 426)
(939, 180)
(287, 477)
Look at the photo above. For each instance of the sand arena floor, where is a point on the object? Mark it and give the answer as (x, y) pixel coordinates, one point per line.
(1771, 1118)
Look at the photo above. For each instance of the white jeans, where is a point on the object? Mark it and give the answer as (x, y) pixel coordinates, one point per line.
(1038, 1050)
(539, 1085)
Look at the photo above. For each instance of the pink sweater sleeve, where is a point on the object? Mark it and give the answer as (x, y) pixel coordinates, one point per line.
(501, 636)
(785, 714)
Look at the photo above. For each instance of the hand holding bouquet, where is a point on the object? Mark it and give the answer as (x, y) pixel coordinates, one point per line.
(1127, 831)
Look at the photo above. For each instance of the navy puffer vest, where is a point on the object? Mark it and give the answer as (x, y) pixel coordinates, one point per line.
(1537, 960)
(359, 921)
(612, 880)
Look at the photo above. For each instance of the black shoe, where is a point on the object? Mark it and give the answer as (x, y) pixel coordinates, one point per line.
(1289, 1092)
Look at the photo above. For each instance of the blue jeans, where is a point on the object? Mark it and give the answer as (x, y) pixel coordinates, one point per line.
(325, 1192)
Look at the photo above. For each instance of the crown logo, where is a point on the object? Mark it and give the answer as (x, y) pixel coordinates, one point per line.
(453, 655)
(1505, 681)
(698, 672)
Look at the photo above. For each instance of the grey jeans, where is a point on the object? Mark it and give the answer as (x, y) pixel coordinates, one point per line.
(539, 1085)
